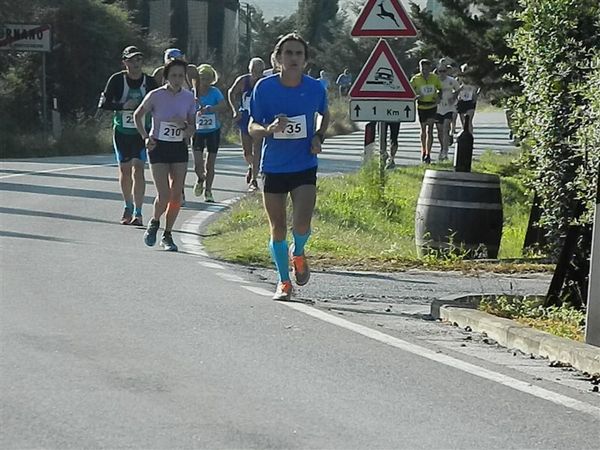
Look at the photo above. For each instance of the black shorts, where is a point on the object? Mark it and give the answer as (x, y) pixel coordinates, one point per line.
(282, 183)
(427, 114)
(209, 141)
(439, 118)
(463, 106)
(169, 152)
(128, 147)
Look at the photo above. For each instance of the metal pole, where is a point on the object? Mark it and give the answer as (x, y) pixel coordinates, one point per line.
(382, 153)
(249, 30)
(592, 322)
(44, 98)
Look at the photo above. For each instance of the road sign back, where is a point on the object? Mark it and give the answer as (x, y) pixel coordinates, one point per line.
(382, 77)
(383, 18)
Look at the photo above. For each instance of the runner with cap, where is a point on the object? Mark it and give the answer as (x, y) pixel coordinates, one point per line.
(173, 111)
(283, 111)
(123, 93)
(191, 79)
(427, 86)
(239, 94)
(209, 103)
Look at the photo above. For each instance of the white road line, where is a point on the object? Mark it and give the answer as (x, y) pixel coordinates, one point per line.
(63, 169)
(211, 265)
(505, 380)
(231, 277)
(258, 290)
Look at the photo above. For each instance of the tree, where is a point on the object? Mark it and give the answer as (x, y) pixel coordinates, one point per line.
(556, 49)
(472, 32)
(314, 19)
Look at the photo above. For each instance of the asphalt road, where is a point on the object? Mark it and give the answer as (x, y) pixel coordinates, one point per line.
(109, 344)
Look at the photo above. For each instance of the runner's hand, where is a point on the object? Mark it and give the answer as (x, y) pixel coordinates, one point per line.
(315, 145)
(278, 124)
(150, 143)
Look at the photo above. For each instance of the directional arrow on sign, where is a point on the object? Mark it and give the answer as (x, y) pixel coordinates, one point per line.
(382, 110)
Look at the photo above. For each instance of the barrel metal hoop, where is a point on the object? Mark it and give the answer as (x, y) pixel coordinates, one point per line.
(464, 205)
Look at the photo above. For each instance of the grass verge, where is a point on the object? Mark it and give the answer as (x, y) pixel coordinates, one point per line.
(358, 226)
(564, 321)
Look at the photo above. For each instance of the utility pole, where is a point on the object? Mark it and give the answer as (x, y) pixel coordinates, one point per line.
(248, 28)
(592, 323)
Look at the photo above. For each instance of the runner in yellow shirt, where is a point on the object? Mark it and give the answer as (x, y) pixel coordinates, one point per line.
(428, 88)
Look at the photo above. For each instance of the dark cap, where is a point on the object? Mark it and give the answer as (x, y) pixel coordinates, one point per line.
(130, 52)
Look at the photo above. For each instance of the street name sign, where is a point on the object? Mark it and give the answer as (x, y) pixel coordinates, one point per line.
(382, 77)
(382, 110)
(25, 37)
(383, 18)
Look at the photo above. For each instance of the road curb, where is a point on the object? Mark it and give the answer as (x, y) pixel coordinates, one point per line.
(508, 333)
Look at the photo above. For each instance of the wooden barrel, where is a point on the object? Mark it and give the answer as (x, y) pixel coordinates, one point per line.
(459, 212)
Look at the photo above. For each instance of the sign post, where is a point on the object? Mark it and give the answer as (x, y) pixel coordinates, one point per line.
(381, 91)
(22, 37)
(592, 321)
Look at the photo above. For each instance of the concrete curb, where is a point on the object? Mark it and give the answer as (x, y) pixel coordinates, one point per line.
(508, 333)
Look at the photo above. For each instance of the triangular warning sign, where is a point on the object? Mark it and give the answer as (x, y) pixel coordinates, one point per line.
(382, 77)
(383, 18)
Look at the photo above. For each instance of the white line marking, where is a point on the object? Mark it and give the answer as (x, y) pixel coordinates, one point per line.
(211, 265)
(505, 380)
(63, 169)
(231, 277)
(259, 291)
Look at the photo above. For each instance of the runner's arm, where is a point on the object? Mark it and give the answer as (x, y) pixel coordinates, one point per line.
(139, 114)
(233, 94)
(112, 93)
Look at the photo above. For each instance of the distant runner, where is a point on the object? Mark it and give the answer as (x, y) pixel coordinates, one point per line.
(123, 93)
(427, 86)
(210, 102)
(283, 109)
(239, 99)
(445, 109)
(173, 112)
(467, 98)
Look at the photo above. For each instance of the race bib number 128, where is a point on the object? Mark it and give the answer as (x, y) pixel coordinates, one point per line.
(295, 129)
(170, 132)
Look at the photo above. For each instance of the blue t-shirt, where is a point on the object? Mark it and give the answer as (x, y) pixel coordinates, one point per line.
(208, 122)
(288, 151)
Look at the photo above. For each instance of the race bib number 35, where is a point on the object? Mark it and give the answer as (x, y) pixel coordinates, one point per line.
(128, 120)
(295, 129)
(205, 121)
(170, 132)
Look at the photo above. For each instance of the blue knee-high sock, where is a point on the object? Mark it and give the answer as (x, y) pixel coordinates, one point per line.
(279, 253)
(299, 242)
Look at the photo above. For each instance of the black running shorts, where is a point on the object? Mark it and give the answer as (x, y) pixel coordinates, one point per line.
(169, 152)
(209, 141)
(462, 107)
(427, 114)
(282, 183)
(128, 147)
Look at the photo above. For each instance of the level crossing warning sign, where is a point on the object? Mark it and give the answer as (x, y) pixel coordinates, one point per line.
(382, 77)
(383, 18)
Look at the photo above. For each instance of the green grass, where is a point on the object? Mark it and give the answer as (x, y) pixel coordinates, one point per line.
(357, 225)
(564, 321)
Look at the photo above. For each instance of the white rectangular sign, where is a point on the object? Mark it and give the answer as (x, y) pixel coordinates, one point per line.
(382, 110)
(25, 37)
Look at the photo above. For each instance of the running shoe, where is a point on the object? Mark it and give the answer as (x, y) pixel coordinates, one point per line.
(167, 242)
(300, 268)
(427, 159)
(390, 164)
(150, 234)
(443, 156)
(253, 186)
(137, 221)
(208, 197)
(249, 175)
(284, 291)
(127, 216)
(199, 188)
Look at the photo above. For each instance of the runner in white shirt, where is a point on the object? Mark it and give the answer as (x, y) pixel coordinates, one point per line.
(467, 97)
(445, 109)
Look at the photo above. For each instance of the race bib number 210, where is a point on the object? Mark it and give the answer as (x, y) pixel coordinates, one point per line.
(170, 132)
